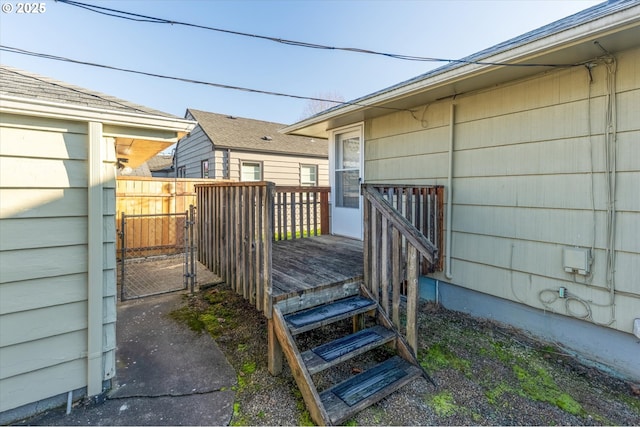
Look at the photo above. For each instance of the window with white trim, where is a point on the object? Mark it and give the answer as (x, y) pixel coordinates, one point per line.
(250, 171)
(308, 175)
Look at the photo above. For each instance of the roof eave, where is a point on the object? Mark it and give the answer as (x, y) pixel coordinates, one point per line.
(40, 108)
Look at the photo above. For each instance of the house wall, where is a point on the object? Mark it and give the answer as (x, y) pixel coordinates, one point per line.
(278, 168)
(529, 180)
(44, 269)
(283, 169)
(192, 150)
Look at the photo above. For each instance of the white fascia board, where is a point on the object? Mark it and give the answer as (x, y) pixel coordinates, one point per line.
(526, 52)
(39, 108)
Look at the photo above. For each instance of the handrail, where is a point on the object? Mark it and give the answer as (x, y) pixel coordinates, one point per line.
(408, 230)
(391, 246)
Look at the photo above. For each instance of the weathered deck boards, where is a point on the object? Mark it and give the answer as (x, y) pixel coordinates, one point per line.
(313, 262)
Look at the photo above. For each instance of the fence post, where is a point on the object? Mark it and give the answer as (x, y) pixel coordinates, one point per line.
(123, 250)
(192, 246)
(185, 282)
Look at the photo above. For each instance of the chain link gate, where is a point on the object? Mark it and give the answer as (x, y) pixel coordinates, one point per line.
(156, 254)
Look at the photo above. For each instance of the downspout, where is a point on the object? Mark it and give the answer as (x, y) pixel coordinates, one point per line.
(447, 272)
(95, 243)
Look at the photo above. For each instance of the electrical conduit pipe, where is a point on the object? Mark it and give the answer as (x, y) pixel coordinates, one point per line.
(447, 272)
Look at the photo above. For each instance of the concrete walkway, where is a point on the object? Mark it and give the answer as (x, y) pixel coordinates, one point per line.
(165, 374)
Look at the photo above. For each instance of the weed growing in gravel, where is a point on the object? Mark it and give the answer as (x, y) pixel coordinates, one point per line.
(439, 356)
(443, 404)
(305, 416)
(215, 317)
(238, 419)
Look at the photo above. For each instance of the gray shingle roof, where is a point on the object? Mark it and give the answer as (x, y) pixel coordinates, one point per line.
(255, 135)
(160, 161)
(24, 84)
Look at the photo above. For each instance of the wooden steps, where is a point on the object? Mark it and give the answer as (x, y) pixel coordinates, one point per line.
(345, 348)
(339, 402)
(357, 393)
(326, 314)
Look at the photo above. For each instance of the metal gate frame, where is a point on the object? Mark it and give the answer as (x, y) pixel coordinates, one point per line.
(189, 267)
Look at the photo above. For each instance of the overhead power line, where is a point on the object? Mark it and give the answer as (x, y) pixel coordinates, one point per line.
(121, 14)
(183, 79)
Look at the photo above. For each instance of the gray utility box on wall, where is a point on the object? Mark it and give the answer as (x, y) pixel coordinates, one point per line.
(576, 260)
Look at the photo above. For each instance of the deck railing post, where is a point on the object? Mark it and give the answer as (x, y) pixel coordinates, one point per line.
(268, 243)
(324, 213)
(366, 246)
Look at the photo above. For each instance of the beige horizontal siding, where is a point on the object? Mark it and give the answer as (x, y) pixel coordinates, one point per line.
(42, 144)
(36, 385)
(25, 326)
(44, 292)
(42, 203)
(280, 169)
(561, 191)
(16, 172)
(44, 262)
(34, 233)
(528, 158)
(43, 257)
(35, 355)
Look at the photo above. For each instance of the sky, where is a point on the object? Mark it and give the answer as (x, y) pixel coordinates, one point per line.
(427, 28)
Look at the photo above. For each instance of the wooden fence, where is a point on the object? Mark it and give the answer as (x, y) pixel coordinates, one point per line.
(238, 221)
(152, 231)
(402, 226)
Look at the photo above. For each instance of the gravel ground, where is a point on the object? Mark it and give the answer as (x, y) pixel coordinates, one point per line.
(485, 373)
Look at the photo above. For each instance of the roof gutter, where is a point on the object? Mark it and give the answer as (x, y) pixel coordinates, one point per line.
(56, 110)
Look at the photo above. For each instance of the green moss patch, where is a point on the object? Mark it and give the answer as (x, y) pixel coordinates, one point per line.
(439, 356)
(214, 315)
(443, 404)
(538, 385)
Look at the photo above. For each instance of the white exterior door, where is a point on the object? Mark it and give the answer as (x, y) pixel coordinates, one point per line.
(346, 172)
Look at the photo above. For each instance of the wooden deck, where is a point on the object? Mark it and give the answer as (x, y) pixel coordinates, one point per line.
(311, 263)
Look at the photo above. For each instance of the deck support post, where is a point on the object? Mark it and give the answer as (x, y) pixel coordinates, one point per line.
(274, 351)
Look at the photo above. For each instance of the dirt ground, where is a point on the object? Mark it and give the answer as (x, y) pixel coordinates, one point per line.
(486, 374)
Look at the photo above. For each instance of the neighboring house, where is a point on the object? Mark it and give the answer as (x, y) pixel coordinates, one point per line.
(239, 149)
(142, 170)
(541, 166)
(161, 166)
(60, 145)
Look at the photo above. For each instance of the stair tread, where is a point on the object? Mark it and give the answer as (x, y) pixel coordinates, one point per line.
(334, 352)
(358, 392)
(324, 314)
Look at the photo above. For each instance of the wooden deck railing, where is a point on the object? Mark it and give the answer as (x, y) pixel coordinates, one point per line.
(238, 222)
(402, 229)
(235, 235)
(300, 212)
